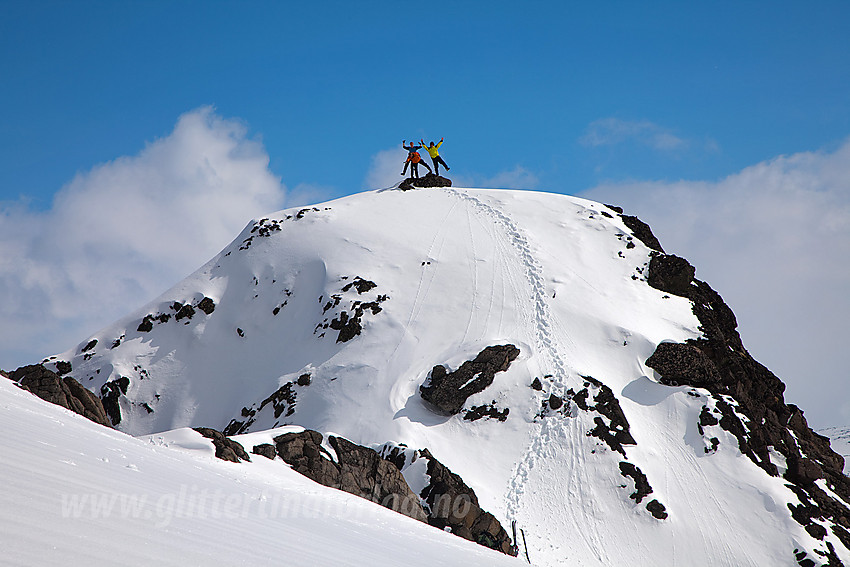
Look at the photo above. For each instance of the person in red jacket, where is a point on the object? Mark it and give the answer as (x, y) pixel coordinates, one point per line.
(414, 159)
(435, 155)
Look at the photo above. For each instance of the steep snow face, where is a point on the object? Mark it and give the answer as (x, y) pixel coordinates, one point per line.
(331, 318)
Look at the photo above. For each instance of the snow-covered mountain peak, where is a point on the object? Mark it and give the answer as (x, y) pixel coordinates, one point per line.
(539, 310)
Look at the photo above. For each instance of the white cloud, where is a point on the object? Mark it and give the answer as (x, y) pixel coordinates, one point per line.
(774, 241)
(385, 169)
(123, 232)
(613, 131)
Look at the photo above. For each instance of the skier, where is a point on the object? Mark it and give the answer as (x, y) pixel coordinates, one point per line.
(413, 158)
(435, 155)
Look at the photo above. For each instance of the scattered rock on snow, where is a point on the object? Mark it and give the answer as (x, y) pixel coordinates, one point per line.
(642, 489)
(282, 402)
(181, 311)
(612, 427)
(348, 322)
(490, 411)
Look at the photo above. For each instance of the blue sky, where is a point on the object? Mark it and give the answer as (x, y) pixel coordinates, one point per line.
(327, 84)
(139, 137)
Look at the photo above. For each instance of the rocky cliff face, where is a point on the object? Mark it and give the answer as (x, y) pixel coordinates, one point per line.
(750, 404)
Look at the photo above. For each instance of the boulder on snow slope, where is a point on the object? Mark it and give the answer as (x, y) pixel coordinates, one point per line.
(448, 391)
(682, 364)
(65, 392)
(266, 450)
(428, 180)
(226, 448)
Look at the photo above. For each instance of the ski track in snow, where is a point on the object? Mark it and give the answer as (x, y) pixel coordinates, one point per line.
(551, 359)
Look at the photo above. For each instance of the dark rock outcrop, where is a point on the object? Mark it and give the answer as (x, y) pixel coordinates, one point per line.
(63, 367)
(639, 229)
(657, 509)
(226, 448)
(642, 487)
(448, 391)
(62, 391)
(354, 469)
(207, 305)
(109, 395)
(671, 274)
(428, 180)
(642, 232)
(452, 504)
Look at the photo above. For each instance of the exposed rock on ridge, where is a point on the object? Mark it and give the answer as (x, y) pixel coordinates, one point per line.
(450, 503)
(446, 501)
(428, 180)
(354, 469)
(762, 420)
(65, 392)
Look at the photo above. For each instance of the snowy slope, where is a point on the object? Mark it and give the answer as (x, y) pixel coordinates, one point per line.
(76, 493)
(438, 275)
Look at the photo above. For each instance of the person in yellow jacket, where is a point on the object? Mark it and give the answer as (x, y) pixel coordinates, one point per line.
(435, 155)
